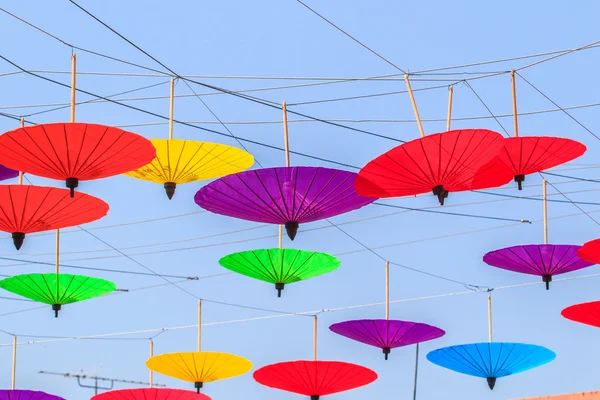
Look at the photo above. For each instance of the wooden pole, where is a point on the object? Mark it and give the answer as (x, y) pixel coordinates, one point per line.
(73, 91)
(315, 338)
(414, 105)
(387, 290)
(151, 355)
(57, 249)
(490, 317)
(14, 363)
(171, 104)
(280, 236)
(21, 172)
(514, 102)
(285, 134)
(450, 92)
(199, 324)
(545, 198)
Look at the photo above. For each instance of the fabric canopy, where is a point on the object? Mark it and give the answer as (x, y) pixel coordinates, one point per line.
(544, 260)
(314, 378)
(7, 173)
(26, 395)
(491, 360)
(590, 251)
(26, 209)
(199, 367)
(387, 334)
(150, 394)
(57, 289)
(440, 163)
(280, 266)
(286, 196)
(181, 161)
(585, 313)
(74, 151)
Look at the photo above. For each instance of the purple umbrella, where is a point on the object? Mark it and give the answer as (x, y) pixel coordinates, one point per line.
(286, 195)
(7, 173)
(543, 260)
(387, 334)
(26, 395)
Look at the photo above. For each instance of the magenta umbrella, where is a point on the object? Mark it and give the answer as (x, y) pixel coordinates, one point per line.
(26, 395)
(544, 260)
(387, 334)
(285, 195)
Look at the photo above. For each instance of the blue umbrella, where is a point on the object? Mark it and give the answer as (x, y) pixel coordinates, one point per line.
(491, 360)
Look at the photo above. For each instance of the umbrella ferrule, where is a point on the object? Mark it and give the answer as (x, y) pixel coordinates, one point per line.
(198, 386)
(170, 189)
(386, 352)
(291, 228)
(491, 381)
(520, 179)
(441, 193)
(18, 238)
(56, 308)
(547, 279)
(279, 286)
(72, 183)
(314, 397)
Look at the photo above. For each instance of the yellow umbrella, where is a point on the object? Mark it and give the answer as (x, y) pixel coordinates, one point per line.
(182, 161)
(201, 366)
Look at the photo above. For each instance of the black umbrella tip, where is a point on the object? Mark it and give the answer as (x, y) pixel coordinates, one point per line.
(170, 189)
(315, 397)
(441, 193)
(18, 238)
(72, 183)
(519, 179)
(279, 286)
(291, 227)
(198, 386)
(386, 352)
(491, 383)
(56, 308)
(547, 279)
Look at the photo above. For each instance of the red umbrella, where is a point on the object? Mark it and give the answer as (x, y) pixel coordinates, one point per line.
(590, 251)
(74, 151)
(585, 313)
(26, 209)
(314, 378)
(150, 394)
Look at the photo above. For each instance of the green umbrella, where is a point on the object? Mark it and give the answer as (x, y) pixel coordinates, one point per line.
(57, 289)
(280, 266)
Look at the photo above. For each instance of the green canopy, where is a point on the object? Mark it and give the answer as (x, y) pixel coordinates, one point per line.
(280, 266)
(57, 289)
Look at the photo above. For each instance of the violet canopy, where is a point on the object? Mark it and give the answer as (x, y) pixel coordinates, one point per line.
(286, 195)
(387, 334)
(26, 395)
(544, 260)
(7, 173)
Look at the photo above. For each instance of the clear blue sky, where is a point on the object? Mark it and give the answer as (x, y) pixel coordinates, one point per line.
(282, 38)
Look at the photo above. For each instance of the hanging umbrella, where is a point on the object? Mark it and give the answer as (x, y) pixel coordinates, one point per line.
(387, 334)
(440, 163)
(7, 173)
(280, 266)
(585, 313)
(150, 394)
(27, 209)
(572, 396)
(199, 367)
(545, 260)
(590, 251)
(314, 378)
(26, 395)
(286, 195)
(182, 161)
(74, 151)
(57, 289)
(491, 360)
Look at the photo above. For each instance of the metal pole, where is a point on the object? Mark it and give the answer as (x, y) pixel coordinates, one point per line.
(171, 104)
(514, 102)
(14, 363)
(73, 91)
(199, 324)
(490, 317)
(545, 212)
(387, 290)
(315, 338)
(414, 105)
(450, 92)
(416, 372)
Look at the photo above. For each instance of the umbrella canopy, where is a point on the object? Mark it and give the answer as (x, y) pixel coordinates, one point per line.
(26, 209)
(530, 154)
(440, 163)
(182, 161)
(286, 196)
(199, 367)
(26, 395)
(544, 260)
(74, 151)
(150, 394)
(585, 313)
(314, 378)
(57, 289)
(280, 266)
(572, 396)
(590, 251)
(491, 360)
(7, 173)
(387, 334)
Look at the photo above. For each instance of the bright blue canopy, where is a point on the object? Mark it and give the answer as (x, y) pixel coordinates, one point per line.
(491, 360)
